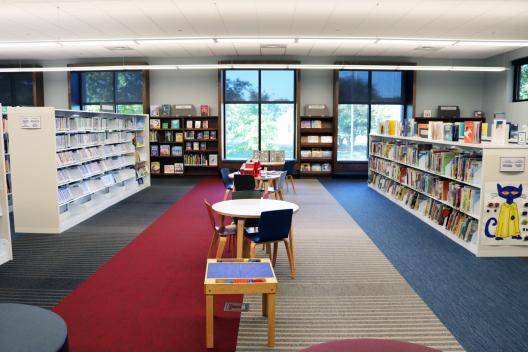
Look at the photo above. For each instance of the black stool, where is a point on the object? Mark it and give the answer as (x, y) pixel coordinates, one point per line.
(32, 329)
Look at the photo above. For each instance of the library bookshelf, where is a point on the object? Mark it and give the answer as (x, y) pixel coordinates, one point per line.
(316, 145)
(426, 177)
(7, 162)
(69, 165)
(184, 145)
(6, 251)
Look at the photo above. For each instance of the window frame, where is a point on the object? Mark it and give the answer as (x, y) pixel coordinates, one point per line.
(517, 79)
(404, 102)
(144, 77)
(259, 102)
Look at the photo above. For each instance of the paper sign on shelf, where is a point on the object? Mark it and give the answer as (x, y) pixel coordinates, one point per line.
(30, 122)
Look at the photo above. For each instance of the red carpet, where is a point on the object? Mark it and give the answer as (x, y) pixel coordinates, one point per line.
(150, 296)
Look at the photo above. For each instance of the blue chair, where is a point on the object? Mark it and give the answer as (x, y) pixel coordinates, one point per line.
(228, 184)
(289, 167)
(244, 182)
(247, 195)
(274, 227)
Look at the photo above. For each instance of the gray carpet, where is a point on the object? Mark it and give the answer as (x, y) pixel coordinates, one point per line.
(345, 287)
(46, 268)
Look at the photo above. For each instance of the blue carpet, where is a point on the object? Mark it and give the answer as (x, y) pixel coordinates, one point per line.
(482, 301)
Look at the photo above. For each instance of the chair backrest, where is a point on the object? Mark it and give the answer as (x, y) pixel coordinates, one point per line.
(210, 212)
(289, 166)
(282, 180)
(244, 182)
(225, 176)
(275, 225)
(246, 195)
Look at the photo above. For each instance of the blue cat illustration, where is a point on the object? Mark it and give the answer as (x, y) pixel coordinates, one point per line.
(508, 220)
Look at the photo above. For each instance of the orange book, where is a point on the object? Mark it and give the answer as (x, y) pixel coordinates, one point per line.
(469, 132)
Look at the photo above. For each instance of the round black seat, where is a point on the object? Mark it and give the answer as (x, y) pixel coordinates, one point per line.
(25, 328)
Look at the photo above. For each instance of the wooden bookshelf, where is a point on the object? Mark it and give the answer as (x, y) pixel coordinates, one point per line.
(199, 144)
(391, 174)
(316, 145)
(6, 251)
(81, 163)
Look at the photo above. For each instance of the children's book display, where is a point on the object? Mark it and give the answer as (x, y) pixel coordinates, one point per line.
(179, 138)
(463, 190)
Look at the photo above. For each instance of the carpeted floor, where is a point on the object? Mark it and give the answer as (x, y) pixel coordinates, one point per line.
(482, 301)
(345, 287)
(46, 268)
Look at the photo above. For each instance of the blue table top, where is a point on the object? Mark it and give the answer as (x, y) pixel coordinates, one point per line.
(239, 270)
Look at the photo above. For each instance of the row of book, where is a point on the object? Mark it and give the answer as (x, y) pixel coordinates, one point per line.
(316, 153)
(166, 150)
(315, 124)
(455, 163)
(83, 189)
(157, 124)
(167, 136)
(200, 160)
(200, 135)
(77, 173)
(175, 168)
(458, 196)
(316, 167)
(464, 131)
(461, 225)
(314, 139)
(166, 110)
(273, 156)
(80, 123)
(77, 140)
(87, 154)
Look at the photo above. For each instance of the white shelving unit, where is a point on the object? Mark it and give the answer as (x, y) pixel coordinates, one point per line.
(490, 176)
(7, 162)
(6, 252)
(69, 165)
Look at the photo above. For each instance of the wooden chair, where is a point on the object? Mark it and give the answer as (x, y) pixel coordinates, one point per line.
(228, 184)
(274, 227)
(289, 168)
(221, 234)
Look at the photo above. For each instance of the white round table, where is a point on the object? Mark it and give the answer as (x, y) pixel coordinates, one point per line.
(250, 209)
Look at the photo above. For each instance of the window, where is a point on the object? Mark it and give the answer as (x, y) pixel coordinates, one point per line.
(365, 99)
(520, 80)
(259, 112)
(118, 91)
(16, 89)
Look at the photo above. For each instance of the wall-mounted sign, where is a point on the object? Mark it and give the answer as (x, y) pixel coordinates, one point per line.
(32, 122)
(512, 164)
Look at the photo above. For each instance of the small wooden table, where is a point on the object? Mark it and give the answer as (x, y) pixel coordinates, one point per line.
(226, 277)
(243, 209)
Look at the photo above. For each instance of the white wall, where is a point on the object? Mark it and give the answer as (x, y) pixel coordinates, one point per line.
(498, 89)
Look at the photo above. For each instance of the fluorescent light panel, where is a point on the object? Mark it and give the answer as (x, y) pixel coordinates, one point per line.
(337, 40)
(257, 40)
(169, 41)
(508, 43)
(27, 44)
(98, 43)
(417, 41)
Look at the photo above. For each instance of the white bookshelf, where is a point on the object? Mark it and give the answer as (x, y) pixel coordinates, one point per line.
(74, 165)
(490, 175)
(6, 252)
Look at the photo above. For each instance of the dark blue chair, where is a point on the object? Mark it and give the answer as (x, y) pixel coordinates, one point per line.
(228, 184)
(244, 183)
(274, 227)
(247, 195)
(289, 167)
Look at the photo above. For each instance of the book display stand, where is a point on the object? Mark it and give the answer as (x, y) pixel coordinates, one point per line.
(69, 165)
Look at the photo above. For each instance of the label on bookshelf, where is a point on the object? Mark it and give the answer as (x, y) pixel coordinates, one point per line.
(30, 122)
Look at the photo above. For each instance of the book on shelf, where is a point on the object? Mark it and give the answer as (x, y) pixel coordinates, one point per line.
(317, 153)
(155, 124)
(276, 156)
(306, 153)
(154, 150)
(169, 136)
(165, 110)
(305, 167)
(206, 135)
(312, 139)
(472, 131)
(197, 124)
(178, 137)
(188, 124)
(164, 150)
(153, 136)
(189, 134)
(196, 146)
(213, 135)
(165, 125)
(316, 124)
(326, 153)
(199, 135)
(204, 110)
(175, 124)
(423, 130)
(305, 124)
(213, 159)
(154, 110)
(188, 146)
(316, 167)
(178, 168)
(168, 169)
(176, 150)
(140, 140)
(326, 139)
(203, 146)
(155, 167)
(205, 124)
(326, 167)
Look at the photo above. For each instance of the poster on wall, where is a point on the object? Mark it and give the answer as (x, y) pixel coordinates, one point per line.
(505, 220)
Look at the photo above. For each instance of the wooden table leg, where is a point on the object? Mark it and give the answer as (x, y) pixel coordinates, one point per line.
(271, 319)
(291, 241)
(264, 305)
(240, 236)
(209, 320)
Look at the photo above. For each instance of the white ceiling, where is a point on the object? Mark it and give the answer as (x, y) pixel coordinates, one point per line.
(118, 19)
